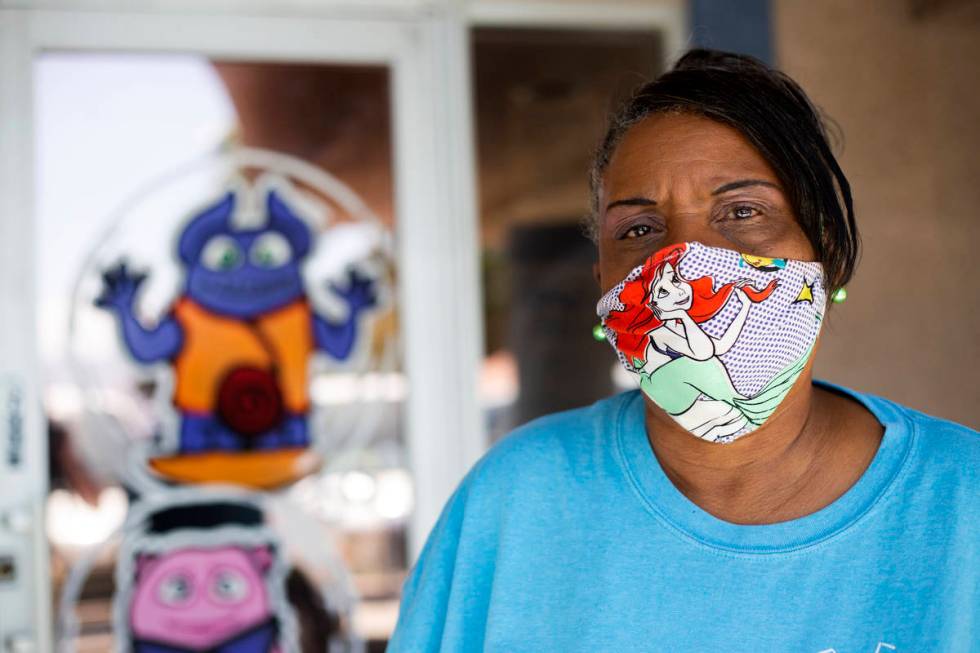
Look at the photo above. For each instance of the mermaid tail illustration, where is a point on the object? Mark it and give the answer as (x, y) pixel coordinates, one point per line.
(677, 385)
(758, 408)
(701, 395)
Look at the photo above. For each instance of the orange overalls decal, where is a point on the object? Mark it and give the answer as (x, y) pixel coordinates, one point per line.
(280, 342)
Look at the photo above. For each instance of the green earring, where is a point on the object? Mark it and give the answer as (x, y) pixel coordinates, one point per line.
(598, 333)
(839, 295)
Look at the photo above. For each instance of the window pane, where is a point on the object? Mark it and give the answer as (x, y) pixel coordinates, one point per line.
(251, 337)
(542, 99)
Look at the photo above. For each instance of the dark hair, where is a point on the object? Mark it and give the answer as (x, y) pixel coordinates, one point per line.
(775, 115)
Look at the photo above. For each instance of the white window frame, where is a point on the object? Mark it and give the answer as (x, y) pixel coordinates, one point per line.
(425, 43)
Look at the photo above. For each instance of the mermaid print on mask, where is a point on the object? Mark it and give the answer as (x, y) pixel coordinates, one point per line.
(716, 338)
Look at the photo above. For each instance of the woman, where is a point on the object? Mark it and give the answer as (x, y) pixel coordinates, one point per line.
(813, 519)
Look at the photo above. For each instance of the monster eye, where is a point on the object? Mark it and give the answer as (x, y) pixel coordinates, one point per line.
(229, 586)
(221, 253)
(175, 590)
(270, 250)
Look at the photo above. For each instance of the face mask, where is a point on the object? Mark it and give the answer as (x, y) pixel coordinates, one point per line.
(716, 338)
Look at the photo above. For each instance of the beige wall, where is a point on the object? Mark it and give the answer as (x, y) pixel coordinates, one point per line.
(903, 87)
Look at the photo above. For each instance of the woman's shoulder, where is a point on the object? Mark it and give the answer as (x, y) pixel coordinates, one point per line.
(951, 448)
(945, 454)
(933, 431)
(893, 414)
(568, 442)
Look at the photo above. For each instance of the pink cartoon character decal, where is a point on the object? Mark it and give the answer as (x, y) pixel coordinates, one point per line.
(203, 600)
(204, 577)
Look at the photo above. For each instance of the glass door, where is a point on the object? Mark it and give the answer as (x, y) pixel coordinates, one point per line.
(232, 256)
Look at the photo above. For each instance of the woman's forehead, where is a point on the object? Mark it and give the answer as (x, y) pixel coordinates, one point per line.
(669, 149)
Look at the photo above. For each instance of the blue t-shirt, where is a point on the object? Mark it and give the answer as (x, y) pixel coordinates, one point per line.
(568, 536)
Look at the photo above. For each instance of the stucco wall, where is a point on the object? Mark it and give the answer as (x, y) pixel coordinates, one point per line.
(903, 87)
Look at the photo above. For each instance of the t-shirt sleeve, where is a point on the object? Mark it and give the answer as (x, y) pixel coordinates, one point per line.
(448, 598)
(443, 600)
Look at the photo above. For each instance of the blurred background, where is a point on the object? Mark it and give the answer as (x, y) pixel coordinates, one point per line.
(468, 135)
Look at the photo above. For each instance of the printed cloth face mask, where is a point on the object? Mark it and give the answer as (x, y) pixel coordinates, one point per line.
(715, 337)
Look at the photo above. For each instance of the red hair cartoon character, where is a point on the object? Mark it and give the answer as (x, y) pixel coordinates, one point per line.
(657, 321)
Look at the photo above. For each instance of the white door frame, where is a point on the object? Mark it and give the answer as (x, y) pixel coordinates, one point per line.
(426, 45)
(668, 17)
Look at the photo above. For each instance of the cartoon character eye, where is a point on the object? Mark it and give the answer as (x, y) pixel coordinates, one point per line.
(661, 293)
(221, 253)
(270, 250)
(175, 590)
(229, 586)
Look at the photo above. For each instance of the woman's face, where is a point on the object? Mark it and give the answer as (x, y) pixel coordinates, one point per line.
(678, 178)
(669, 292)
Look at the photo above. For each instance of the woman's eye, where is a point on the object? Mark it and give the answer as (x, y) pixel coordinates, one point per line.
(637, 231)
(661, 293)
(743, 212)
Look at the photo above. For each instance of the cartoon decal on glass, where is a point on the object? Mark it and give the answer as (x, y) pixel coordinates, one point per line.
(716, 338)
(239, 338)
(202, 577)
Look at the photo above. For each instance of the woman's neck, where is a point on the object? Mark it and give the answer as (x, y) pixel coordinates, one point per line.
(809, 453)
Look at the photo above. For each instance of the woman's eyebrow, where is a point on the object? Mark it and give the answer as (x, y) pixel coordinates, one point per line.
(632, 201)
(742, 183)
